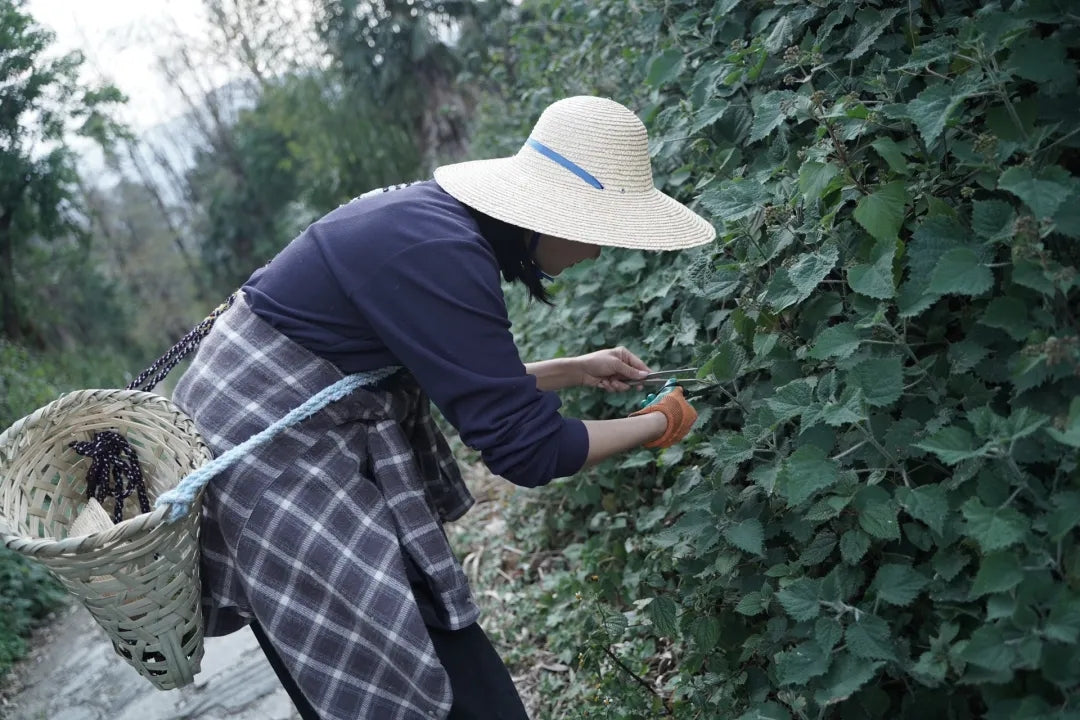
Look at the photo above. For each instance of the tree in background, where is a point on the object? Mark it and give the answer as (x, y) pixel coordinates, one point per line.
(307, 135)
(41, 103)
(403, 55)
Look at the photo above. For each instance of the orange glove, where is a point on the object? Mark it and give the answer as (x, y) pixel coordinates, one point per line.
(680, 418)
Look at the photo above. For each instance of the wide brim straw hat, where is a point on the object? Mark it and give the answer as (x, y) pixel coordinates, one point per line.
(583, 174)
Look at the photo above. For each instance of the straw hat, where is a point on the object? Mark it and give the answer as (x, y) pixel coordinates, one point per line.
(584, 175)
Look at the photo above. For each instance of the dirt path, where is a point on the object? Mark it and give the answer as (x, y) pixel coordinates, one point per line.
(72, 672)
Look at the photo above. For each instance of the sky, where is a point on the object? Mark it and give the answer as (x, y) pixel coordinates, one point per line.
(120, 39)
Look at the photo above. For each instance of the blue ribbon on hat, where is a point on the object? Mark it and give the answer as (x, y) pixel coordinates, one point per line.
(565, 162)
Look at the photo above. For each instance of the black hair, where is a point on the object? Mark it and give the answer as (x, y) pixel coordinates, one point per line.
(512, 253)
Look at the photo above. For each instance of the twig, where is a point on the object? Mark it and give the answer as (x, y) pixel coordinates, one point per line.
(640, 681)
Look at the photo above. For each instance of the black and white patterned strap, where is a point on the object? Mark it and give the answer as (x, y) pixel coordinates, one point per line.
(161, 367)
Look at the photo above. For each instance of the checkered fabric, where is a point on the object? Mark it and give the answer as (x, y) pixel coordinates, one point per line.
(307, 533)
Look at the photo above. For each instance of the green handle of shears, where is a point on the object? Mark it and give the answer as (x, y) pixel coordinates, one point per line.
(654, 398)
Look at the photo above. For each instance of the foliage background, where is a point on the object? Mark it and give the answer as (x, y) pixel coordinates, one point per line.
(876, 515)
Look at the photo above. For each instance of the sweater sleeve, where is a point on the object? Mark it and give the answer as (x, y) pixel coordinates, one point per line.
(439, 308)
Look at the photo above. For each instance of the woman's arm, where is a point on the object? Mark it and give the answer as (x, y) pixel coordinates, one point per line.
(611, 437)
(557, 374)
(614, 370)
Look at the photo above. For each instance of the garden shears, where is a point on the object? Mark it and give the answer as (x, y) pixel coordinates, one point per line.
(669, 380)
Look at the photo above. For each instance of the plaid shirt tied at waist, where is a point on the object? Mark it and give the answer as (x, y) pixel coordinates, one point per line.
(307, 534)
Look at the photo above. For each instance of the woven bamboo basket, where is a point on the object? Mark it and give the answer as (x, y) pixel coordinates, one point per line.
(139, 578)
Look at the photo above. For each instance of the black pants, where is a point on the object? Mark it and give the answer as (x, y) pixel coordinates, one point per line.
(481, 683)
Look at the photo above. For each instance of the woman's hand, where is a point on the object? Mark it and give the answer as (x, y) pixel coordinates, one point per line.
(680, 416)
(613, 370)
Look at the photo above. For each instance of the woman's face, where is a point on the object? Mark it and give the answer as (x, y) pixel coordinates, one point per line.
(554, 254)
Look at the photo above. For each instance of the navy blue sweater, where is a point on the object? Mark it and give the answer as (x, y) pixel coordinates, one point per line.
(408, 278)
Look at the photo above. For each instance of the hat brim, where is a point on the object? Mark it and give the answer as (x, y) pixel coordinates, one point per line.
(567, 208)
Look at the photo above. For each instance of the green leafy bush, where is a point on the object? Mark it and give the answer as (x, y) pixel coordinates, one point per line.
(27, 595)
(877, 515)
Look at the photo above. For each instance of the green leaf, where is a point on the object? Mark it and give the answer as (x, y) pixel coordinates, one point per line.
(1067, 218)
(877, 513)
(793, 284)
(1063, 624)
(952, 444)
(1066, 514)
(1043, 190)
(965, 355)
(748, 536)
(792, 399)
(809, 269)
(882, 212)
(987, 649)
(827, 508)
(993, 528)
(986, 423)
(935, 236)
(766, 711)
(928, 503)
(853, 546)
(933, 107)
(665, 67)
(948, 562)
(998, 572)
(1070, 433)
(705, 632)
(960, 272)
(734, 199)
(1070, 438)
(764, 476)
(871, 25)
(875, 279)
(781, 292)
(891, 153)
(931, 668)
(750, 604)
(913, 298)
(800, 664)
(801, 599)
(1028, 371)
(828, 632)
(1042, 60)
(814, 178)
(807, 471)
(713, 110)
(614, 624)
(898, 584)
(848, 674)
(849, 409)
(770, 111)
(727, 364)
(993, 220)
(664, 615)
(731, 448)
(1021, 423)
(819, 548)
(764, 343)
(837, 341)
(1009, 314)
(868, 637)
(880, 379)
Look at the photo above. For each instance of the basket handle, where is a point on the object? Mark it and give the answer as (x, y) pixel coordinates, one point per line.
(180, 499)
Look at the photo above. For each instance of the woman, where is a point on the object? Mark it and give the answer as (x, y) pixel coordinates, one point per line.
(329, 543)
